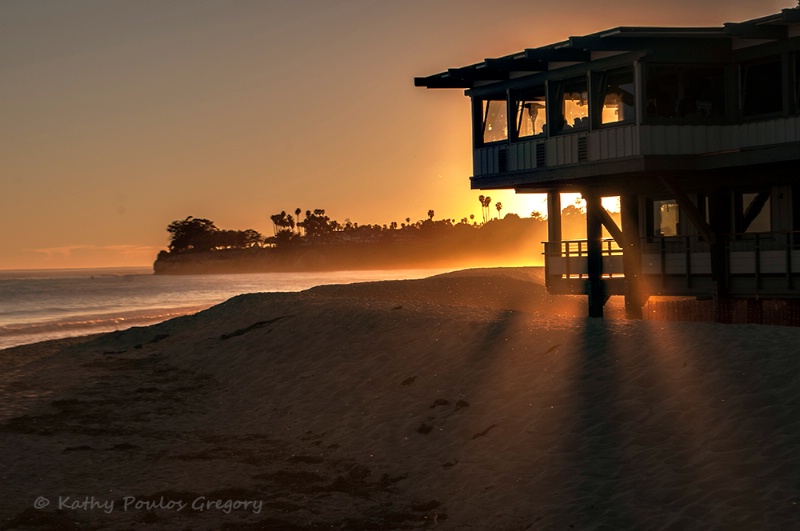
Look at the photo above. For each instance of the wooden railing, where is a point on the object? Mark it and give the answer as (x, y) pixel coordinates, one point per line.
(755, 262)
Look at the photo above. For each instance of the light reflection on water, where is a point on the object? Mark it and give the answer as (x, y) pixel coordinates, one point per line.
(41, 305)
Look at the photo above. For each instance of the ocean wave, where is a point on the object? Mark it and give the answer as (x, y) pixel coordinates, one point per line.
(96, 322)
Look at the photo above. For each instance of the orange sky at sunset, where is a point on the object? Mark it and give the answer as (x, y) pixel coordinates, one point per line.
(117, 117)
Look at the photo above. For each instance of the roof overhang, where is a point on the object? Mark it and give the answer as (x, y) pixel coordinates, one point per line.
(578, 49)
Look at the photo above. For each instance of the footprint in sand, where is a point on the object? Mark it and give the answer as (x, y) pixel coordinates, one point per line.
(408, 381)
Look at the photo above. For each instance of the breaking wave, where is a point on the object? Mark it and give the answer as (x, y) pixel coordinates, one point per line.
(21, 333)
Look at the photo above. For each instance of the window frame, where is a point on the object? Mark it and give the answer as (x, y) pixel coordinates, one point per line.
(556, 94)
(601, 85)
(719, 118)
(742, 88)
(480, 109)
(518, 96)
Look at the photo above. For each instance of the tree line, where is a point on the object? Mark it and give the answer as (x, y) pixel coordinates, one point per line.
(192, 234)
(201, 235)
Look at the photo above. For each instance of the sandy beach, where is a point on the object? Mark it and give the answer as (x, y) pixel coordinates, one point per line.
(471, 400)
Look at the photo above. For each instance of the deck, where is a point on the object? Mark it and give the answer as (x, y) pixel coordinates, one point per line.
(758, 265)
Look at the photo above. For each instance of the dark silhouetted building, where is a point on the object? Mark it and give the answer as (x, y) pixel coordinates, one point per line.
(696, 130)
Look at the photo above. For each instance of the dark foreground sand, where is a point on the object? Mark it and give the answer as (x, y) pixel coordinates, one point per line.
(466, 401)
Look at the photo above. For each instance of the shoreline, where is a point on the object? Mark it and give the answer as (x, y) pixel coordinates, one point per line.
(451, 401)
(89, 302)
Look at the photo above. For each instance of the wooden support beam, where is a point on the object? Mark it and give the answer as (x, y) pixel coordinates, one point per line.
(688, 207)
(608, 222)
(554, 217)
(594, 235)
(720, 214)
(635, 293)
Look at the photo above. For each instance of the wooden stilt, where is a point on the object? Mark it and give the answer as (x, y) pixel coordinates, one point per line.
(720, 214)
(594, 236)
(553, 216)
(635, 295)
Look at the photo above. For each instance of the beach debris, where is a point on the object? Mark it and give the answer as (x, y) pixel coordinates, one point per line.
(408, 381)
(551, 349)
(397, 308)
(450, 464)
(259, 324)
(484, 432)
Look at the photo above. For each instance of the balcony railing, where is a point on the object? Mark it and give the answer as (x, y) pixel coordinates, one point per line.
(568, 259)
(757, 263)
(504, 159)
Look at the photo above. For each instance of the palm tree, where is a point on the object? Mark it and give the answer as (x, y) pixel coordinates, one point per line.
(297, 213)
(430, 215)
(499, 207)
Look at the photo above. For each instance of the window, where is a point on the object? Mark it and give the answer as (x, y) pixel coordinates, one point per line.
(531, 113)
(574, 102)
(762, 87)
(495, 120)
(619, 101)
(666, 218)
(685, 93)
(756, 212)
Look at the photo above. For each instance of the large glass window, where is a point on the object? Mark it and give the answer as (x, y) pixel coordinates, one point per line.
(495, 120)
(762, 86)
(619, 101)
(574, 104)
(686, 93)
(531, 109)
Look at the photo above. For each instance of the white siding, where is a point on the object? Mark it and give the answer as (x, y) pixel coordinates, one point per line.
(622, 141)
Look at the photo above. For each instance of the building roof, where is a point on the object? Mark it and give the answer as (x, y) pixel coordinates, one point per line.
(579, 49)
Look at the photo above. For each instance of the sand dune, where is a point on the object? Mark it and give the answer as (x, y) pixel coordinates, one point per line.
(470, 400)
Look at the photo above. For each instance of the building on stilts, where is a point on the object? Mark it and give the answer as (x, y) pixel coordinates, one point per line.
(695, 129)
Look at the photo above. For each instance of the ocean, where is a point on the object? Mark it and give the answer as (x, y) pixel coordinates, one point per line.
(38, 305)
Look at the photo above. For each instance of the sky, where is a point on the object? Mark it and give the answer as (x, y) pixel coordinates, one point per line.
(118, 117)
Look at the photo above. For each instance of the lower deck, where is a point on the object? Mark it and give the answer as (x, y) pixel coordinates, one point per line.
(757, 265)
